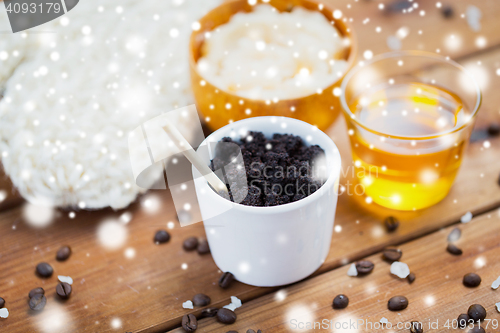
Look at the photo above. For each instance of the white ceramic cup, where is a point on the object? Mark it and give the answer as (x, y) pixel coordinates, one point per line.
(278, 245)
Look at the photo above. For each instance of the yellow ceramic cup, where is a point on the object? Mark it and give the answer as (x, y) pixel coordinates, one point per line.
(319, 109)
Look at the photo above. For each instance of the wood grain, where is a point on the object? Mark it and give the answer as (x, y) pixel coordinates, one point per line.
(436, 295)
(9, 197)
(145, 293)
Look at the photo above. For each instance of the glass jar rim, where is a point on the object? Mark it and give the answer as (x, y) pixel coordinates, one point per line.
(414, 53)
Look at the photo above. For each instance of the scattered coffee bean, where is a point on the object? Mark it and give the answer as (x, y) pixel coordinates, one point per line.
(189, 323)
(340, 302)
(463, 320)
(37, 302)
(476, 312)
(203, 247)
(2, 302)
(453, 249)
(250, 331)
(416, 327)
(472, 280)
(44, 270)
(391, 223)
(364, 267)
(36, 291)
(411, 277)
(447, 11)
(477, 329)
(397, 303)
(232, 332)
(226, 316)
(396, 7)
(494, 129)
(162, 236)
(209, 312)
(63, 253)
(190, 244)
(225, 280)
(392, 254)
(201, 300)
(63, 290)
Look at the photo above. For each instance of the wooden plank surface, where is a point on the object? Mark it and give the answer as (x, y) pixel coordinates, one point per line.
(145, 293)
(8, 195)
(436, 295)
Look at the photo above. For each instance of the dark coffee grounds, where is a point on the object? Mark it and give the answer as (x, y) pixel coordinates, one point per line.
(278, 170)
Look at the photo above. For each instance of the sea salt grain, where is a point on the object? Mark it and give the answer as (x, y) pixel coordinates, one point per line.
(187, 305)
(66, 279)
(454, 235)
(384, 320)
(474, 15)
(496, 284)
(400, 269)
(498, 306)
(236, 301)
(466, 218)
(230, 306)
(352, 270)
(4, 313)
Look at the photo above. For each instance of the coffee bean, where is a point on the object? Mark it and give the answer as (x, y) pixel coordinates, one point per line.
(411, 277)
(494, 129)
(453, 249)
(37, 302)
(477, 329)
(232, 332)
(209, 312)
(392, 254)
(63, 290)
(463, 320)
(226, 316)
(416, 327)
(397, 303)
(203, 247)
(340, 302)
(251, 331)
(2, 302)
(364, 267)
(476, 312)
(63, 253)
(44, 270)
(36, 291)
(161, 236)
(225, 280)
(447, 11)
(190, 243)
(201, 300)
(189, 323)
(391, 223)
(472, 280)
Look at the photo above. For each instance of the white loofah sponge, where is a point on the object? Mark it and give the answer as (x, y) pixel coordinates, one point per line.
(97, 73)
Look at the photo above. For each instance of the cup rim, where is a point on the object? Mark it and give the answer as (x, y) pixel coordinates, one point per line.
(423, 54)
(347, 31)
(333, 176)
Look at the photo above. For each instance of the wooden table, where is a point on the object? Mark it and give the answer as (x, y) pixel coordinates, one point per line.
(140, 287)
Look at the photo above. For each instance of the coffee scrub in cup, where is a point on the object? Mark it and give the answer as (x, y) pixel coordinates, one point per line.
(279, 230)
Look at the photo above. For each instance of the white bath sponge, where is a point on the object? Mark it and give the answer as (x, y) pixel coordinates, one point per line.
(96, 73)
